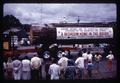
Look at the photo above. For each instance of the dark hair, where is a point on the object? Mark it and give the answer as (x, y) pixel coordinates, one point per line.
(70, 62)
(84, 50)
(54, 61)
(26, 57)
(97, 53)
(35, 55)
(16, 57)
(80, 53)
(89, 61)
(88, 52)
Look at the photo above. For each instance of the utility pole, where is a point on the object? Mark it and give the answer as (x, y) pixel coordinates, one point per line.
(41, 13)
(12, 41)
(78, 20)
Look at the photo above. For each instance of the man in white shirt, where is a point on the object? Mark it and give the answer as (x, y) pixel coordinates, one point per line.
(80, 66)
(110, 58)
(89, 56)
(54, 71)
(84, 55)
(26, 71)
(36, 67)
(63, 62)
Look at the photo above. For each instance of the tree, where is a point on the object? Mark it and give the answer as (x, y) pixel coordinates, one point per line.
(10, 21)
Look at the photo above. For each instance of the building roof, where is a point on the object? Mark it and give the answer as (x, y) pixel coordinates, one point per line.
(13, 29)
(83, 24)
(22, 34)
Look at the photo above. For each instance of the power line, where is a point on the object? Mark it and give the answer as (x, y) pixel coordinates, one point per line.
(41, 14)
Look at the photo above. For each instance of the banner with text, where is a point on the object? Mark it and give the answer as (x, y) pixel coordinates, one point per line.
(84, 32)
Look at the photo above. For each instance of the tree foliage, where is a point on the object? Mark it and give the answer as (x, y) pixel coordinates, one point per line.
(10, 21)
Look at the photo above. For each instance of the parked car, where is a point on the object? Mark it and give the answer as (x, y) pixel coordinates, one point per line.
(24, 42)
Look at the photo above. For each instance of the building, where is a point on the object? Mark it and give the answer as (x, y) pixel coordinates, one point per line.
(84, 26)
(13, 36)
(37, 32)
(10, 38)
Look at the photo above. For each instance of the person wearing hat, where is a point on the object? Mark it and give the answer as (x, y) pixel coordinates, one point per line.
(63, 61)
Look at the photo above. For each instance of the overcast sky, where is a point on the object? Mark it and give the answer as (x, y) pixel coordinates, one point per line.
(54, 13)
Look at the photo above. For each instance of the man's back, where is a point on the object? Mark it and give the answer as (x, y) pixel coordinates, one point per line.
(54, 71)
(16, 65)
(63, 62)
(89, 57)
(80, 62)
(110, 56)
(35, 62)
(84, 55)
(26, 65)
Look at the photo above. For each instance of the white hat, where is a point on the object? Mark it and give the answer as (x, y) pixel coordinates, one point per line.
(63, 53)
